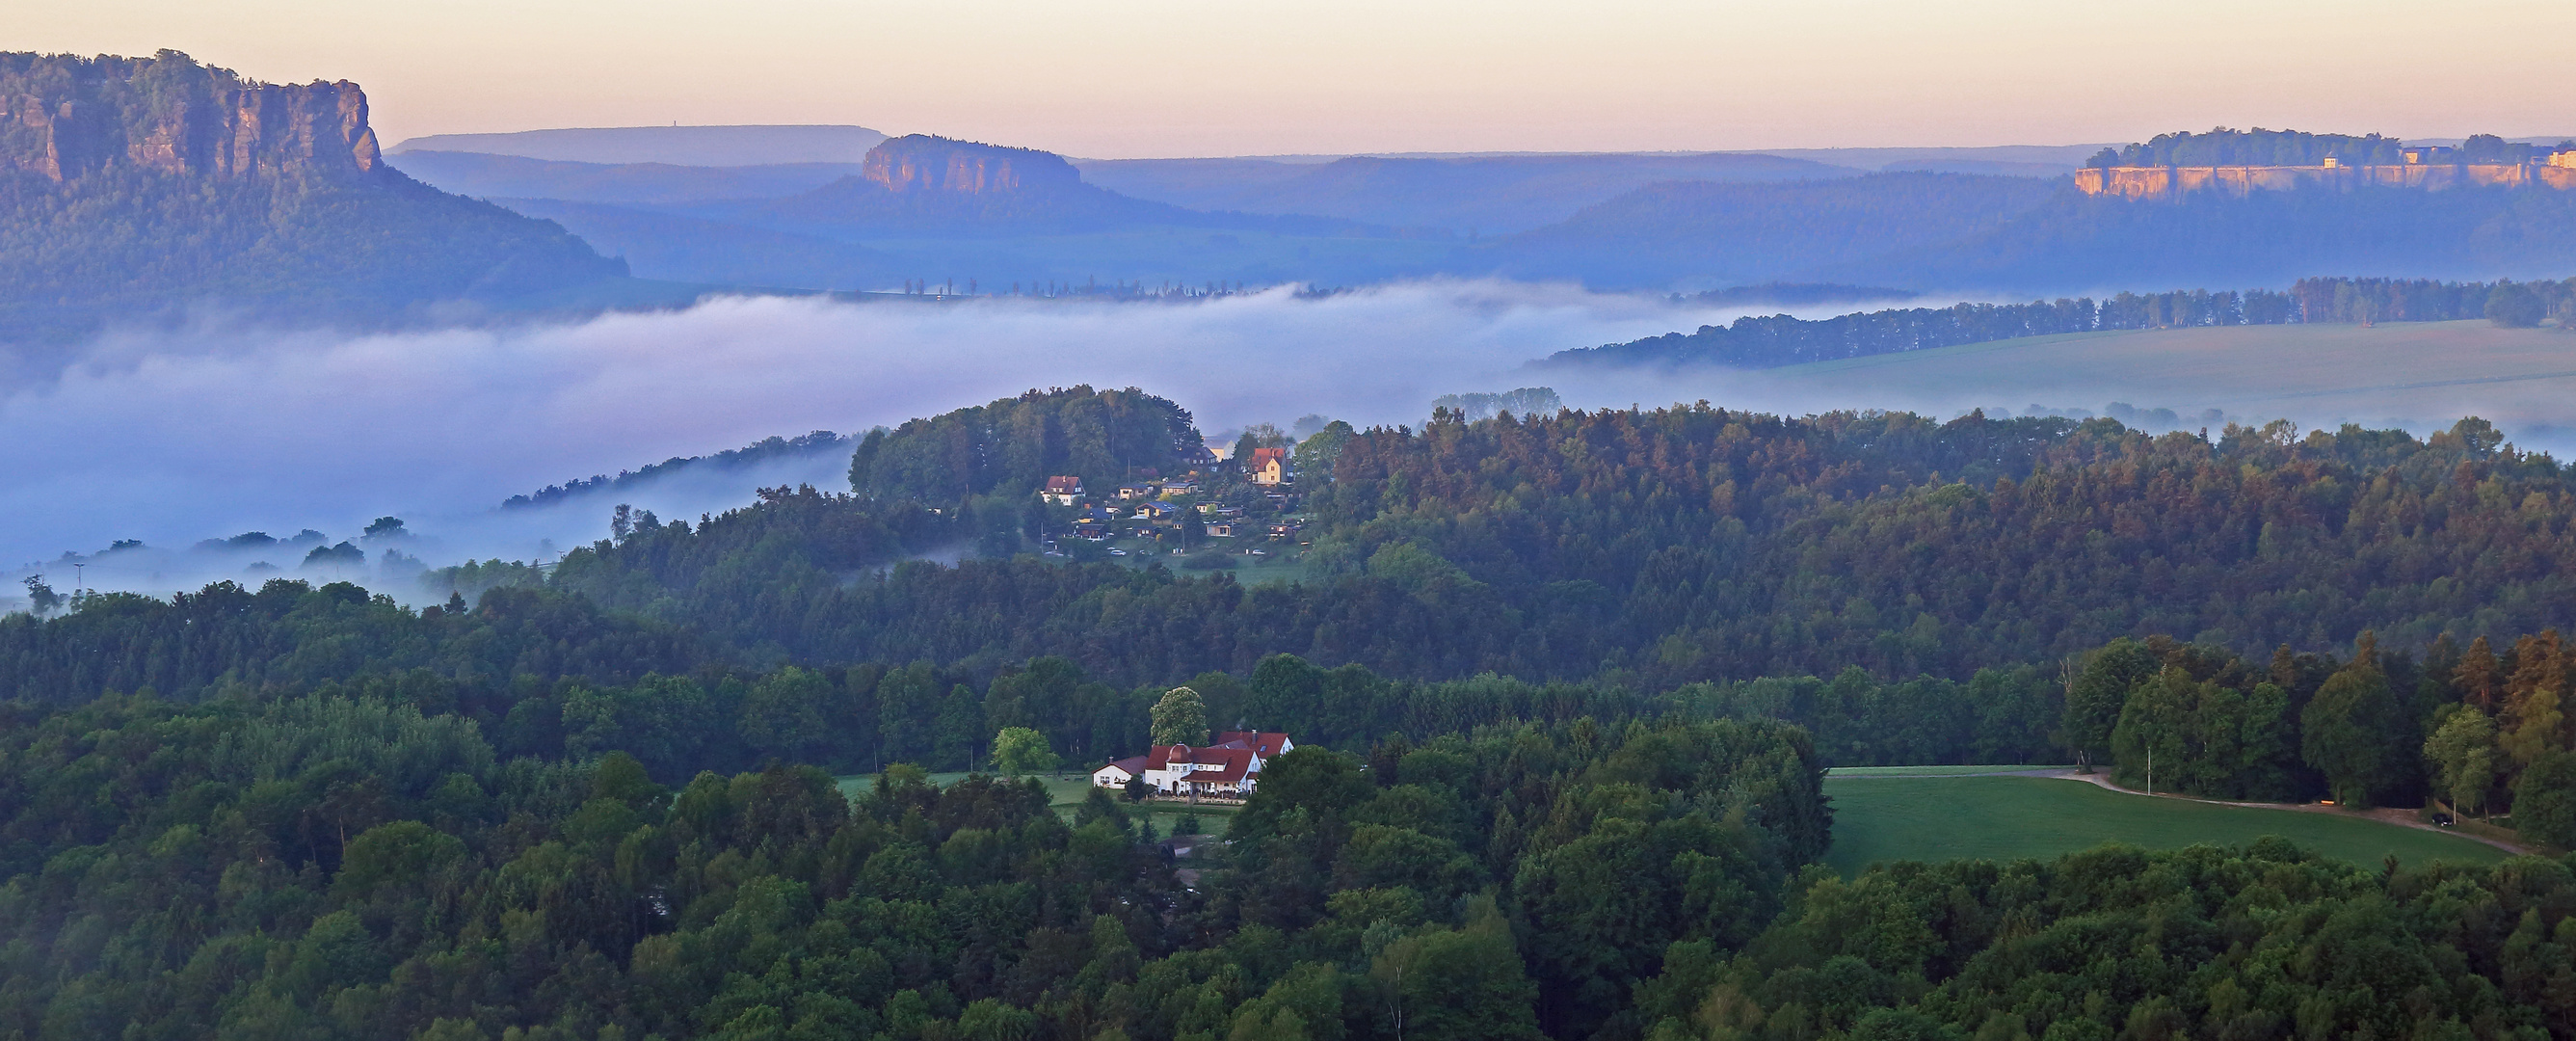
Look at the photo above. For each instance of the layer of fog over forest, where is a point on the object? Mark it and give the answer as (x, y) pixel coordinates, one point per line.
(172, 439)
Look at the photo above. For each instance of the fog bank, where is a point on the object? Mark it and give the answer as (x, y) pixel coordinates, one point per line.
(171, 439)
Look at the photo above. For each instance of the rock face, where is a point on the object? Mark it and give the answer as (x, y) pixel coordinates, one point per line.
(2168, 182)
(921, 163)
(132, 189)
(64, 117)
(923, 185)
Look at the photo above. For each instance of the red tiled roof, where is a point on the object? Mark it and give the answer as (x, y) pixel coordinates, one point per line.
(1233, 771)
(1237, 758)
(1268, 744)
(1064, 484)
(1134, 764)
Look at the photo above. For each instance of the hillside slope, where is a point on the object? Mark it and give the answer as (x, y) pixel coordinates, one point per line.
(924, 185)
(2078, 243)
(717, 146)
(137, 186)
(489, 176)
(1706, 234)
(1490, 195)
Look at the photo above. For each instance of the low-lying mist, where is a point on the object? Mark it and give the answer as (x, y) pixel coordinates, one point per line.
(170, 439)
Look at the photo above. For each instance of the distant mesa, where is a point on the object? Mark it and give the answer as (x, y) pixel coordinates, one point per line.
(674, 145)
(920, 162)
(925, 185)
(2239, 163)
(2557, 171)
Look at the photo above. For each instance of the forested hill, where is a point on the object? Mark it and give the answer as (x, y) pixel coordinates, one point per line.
(2260, 147)
(1644, 547)
(1007, 449)
(1778, 340)
(132, 186)
(600, 804)
(919, 185)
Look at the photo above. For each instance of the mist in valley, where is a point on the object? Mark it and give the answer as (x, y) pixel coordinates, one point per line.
(172, 439)
(166, 441)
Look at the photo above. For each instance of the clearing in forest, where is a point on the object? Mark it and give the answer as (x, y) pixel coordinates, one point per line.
(1917, 814)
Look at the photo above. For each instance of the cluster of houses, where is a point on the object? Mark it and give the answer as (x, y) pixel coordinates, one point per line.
(1148, 505)
(1228, 769)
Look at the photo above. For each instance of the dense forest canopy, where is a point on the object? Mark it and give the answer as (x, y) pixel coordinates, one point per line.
(1653, 548)
(1010, 447)
(1563, 687)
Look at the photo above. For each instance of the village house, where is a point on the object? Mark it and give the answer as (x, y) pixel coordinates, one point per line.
(1230, 768)
(1175, 489)
(1131, 492)
(1268, 466)
(1220, 530)
(1062, 491)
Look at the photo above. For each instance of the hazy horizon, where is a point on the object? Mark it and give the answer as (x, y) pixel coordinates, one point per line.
(1171, 81)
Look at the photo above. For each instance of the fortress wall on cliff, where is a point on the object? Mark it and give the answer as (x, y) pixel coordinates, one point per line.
(2158, 182)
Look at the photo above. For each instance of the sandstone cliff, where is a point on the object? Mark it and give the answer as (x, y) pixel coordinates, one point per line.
(924, 185)
(136, 187)
(920, 162)
(2167, 182)
(64, 117)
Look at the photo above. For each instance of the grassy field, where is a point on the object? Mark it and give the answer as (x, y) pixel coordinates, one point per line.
(1883, 818)
(1931, 771)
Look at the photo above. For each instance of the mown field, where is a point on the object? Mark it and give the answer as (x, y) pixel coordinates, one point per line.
(1892, 816)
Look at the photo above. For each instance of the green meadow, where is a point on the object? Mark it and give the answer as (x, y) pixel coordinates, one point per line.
(1889, 815)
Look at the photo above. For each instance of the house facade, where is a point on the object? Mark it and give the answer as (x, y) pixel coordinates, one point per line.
(1062, 491)
(1230, 768)
(1269, 466)
(1117, 774)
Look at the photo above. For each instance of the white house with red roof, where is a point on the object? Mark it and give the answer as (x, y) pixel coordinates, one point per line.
(1230, 767)
(1119, 772)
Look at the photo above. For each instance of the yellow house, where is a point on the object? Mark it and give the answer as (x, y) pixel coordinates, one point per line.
(1269, 466)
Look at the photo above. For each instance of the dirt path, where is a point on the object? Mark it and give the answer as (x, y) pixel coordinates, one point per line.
(2401, 818)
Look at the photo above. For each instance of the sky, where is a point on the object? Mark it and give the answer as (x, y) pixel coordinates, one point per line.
(1151, 78)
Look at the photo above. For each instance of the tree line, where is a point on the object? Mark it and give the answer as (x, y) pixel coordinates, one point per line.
(2479, 730)
(1779, 340)
(344, 864)
(1644, 549)
(331, 866)
(2259, 147)
(1559, 687)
